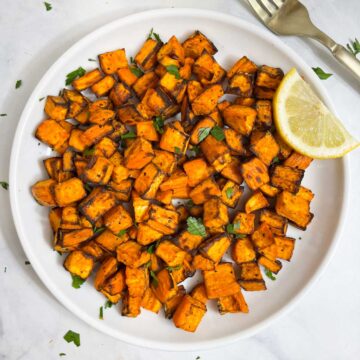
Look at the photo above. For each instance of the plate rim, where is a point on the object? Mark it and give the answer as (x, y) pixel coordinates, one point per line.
(41, 273)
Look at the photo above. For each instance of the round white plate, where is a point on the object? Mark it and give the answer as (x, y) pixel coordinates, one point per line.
(328, 180)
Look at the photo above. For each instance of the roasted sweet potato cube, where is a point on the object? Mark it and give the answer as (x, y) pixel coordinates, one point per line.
(112, 61)
(197, 170)
(119, 173)
(70, 218)
(253, 285)
(139, 154)
(245, 101)
(177, 180)
(163, 220)
(68, 161)
(101, 116)
(173, 86)
(109, 241)
(243, 251)
(76, 141)
(150, 301)
(265, 148)
(80, 165)
(106, 147)
(129, 115)
(171, 53)
(285, 149)
(250, 271)
(215, 213)
(147, 235)
(80, 264)
(255, 173)
(170, 253)
(69, 192)
(221, 281)
(146, 58)
(232, 304)
(171, 305)
(136, 280)
(107, 268)
(188, 241)
(122, 189)
(215, 247)
(186, 70)
(196, 44)
(200, 262)
(141, 207)
(97, 204)
(198, 129)
(243, 65)
(295, 208)
(264, 114)
(126, 76)
(199, 293)
(184, 271)
(56, 107)
(255, 202)
(194, 89)
(240, 118)
(262, 236)
(70, 240)
(148, 182)
(95, 133)
(55, 218)
(241, 84)
(232, 171)
(117, 219)
(52, 133)
(76, 102)
(89, 79)
(207, 69)
(269, 77)
(269, 190)
(205, 191)
(246, 223)
(277, 223)
(165, 287)
(146, 81)
(206, 102)
(189, 313)
(44, 192)
(165, 161)
(235, 141)
(215, 152)
(131, 305)
(98, 171)
(147, 130)
(231, 193)
(93, 249)
(298, 161)
(120, 94)
(174, 140)
(284, 247)
(273, 265)
(287, 178)
(103, 86)
(305, 193)
(114, 284)
(132, 254)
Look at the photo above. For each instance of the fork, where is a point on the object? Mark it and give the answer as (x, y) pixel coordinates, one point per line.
(290, 17)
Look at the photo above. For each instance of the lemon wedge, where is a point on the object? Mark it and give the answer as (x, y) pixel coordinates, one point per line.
(306, 124)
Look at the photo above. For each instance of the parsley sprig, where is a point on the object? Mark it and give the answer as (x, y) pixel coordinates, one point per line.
(173, 69)
(159, 124)
(77, 281)
(72, 336)
(354, 47)
(154, 36)
(321, 73)
(70, 77)
(269, 274)
(195, 226)
(4, 185)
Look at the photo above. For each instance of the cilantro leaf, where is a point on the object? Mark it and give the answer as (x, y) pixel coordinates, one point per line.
(121, 232)
(229, 192)
(173, 69)
(173, 268)
(195, 226)
(18, 84)
(194, 151)
(4, 185)
(77, 281)
(62, 354)
(232, 228)
(159, 124)
(189, 204)
(218, 133)
(88, 188)
(70, 77)
(72, 336)
(3, 114)
(41, 99)
(275, 160)
(269, 274)
(90, 59)
(97, 230)
(27, 262)
(108, 304)
(177, 150)
(154, 278)
(240, 236)
(354, 47)
(136, 71)
(203, 133)
(128, 135)
(48, 6)
(101, 313)
(132, 61)
(151, 249)
(89, 151)
(154, 36)
(321, 73)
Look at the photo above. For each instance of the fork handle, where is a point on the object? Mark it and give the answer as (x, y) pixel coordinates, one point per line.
(347, 59)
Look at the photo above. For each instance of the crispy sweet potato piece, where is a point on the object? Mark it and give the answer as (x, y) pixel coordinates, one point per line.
(147, 235)
(171, 53)
(245, 101)
(165, 161)
(52, 133)
(150, 301)
(196, 44)
(186, 70)
(139, 154)
(80, 264)
(174, 140)
(240, 118)
(242, 65)
(132, 254)
(146, 58)
(112, 61)
(200, 262)
(170, 253)
(173, 86)
(107, 268)
(122, 189)
(284, 247)
(215, 213)
(55, 218)
(287, 178)
(146, 130)
(234, 141)
(207, 69)
(89, 79)
(199, 293)
(264, 114)
(171, 305)
(295, 208)
(68, 161)
(56, 107)
(232, 171)
(257, 201)
(165, 287)
(253, 285)
(265, 148)
(131, 305)
(69, 191)
(140, 206)
(188, 241)
(97, 171)
(101, 116)
(43, 192)
(76, 141)
(255, 173)
(103, 86)
(232, 304)
(250, 277)
(120, 94)
(277, 223)
(206, 102)
(221, 281)
(189, 313)
(97, 203)
(262, 236)
(93, 249)
(205, 191)
(269, 190)
(119, 173)
(126, 76)
(117, 219)
(129, 114)
(197, 170)
(70, 218)
(246, 223)
(146, 81)
(76, 102)
(177, 180)
(114, 284)
(269, 77)
(109, 241)
(163, 220)
(70, 240)
(95, 133)
(231, 193)
(298, 161)
(106, 147)
(241, 84)
(215, 247)
(148, 182)
(206, 122)
(243, 251)
(273, 265)
(216, 152)
(136, 280)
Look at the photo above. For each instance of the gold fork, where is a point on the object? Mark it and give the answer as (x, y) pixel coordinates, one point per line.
(290, 17)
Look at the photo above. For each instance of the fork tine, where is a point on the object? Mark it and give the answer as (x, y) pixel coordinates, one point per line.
(278, 3)
(268, 6)
(260, 12)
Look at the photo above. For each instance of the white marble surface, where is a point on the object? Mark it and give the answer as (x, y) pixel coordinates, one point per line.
(324, 325)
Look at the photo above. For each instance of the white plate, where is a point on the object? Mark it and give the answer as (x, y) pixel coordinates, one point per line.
(328, 179)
